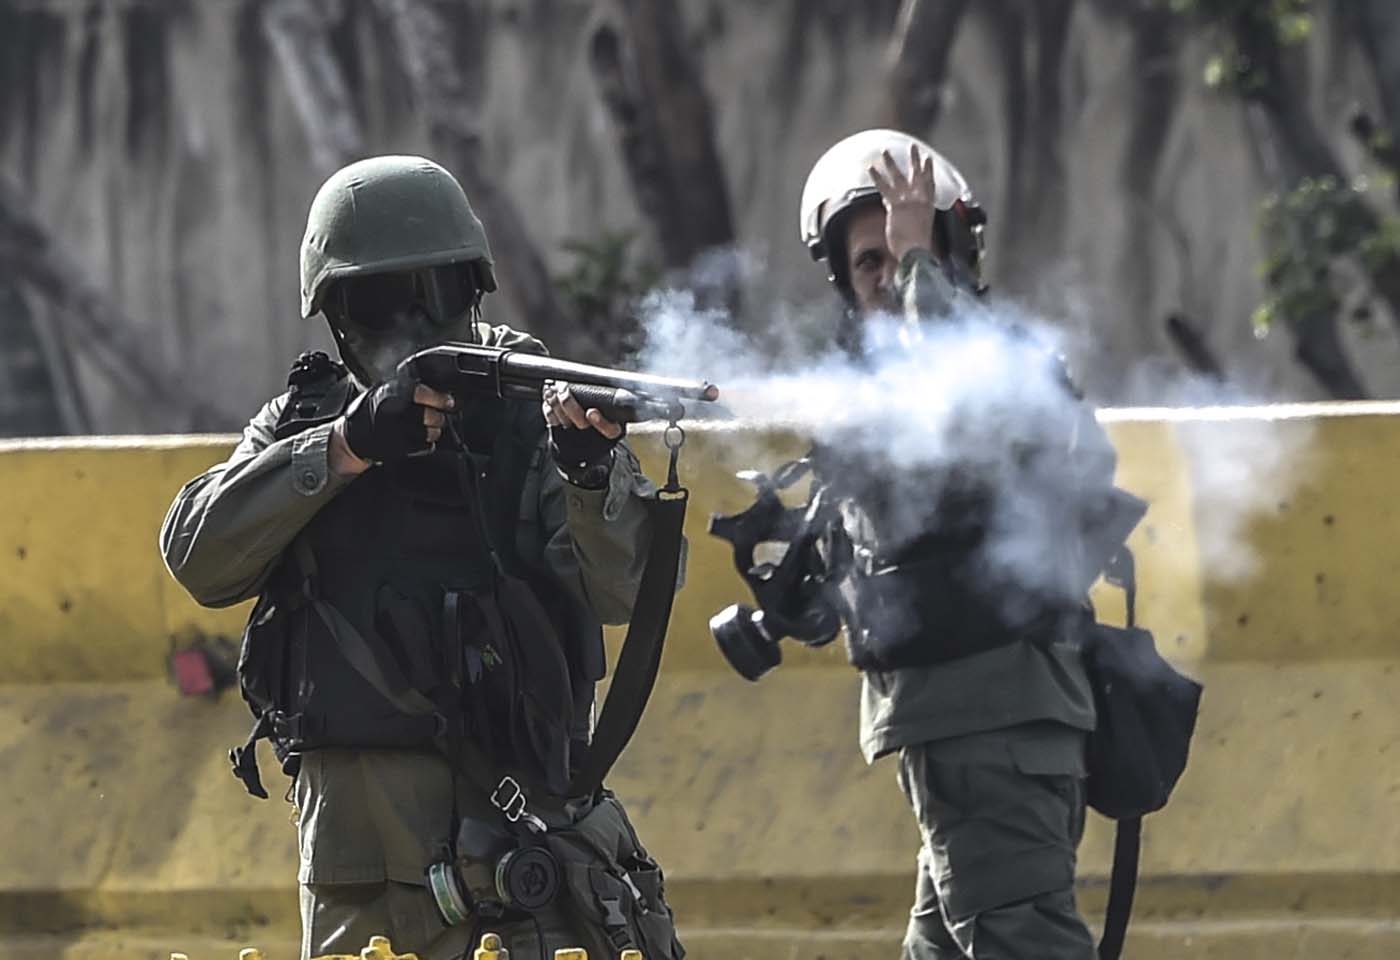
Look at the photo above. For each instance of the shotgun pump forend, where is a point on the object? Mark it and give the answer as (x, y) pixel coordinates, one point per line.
(621, 396)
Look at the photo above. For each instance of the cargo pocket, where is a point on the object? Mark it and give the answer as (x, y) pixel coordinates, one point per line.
(655, 922)
(659, 936)
(599, 900)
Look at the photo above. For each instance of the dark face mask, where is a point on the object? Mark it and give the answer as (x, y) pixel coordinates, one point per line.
(381, 319)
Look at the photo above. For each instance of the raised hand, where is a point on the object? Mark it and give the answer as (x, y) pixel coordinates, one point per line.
(909, 202)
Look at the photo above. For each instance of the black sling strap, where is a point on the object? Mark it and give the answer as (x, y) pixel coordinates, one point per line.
(1122, 884)
(640, 659)
(1127, 839)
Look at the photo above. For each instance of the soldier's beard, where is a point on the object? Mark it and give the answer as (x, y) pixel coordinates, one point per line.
(373, 356)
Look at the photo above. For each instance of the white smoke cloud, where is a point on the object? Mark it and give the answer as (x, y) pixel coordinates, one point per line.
(957, 393)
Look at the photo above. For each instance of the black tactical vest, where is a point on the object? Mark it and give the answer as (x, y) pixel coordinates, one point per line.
(948, 560)
(922, 596)
(402, 616)
(389, 551)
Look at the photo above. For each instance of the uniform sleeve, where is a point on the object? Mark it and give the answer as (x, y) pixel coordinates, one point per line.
(228, 526)
(925, 291)
(598, 540)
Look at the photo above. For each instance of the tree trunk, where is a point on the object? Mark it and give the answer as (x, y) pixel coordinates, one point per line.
(30, 405)
(1319, 348)
(31, 255)
(428, 32)
(654, 93)
(1376, 26)
(1155, 95)
(1007, 21)
(1304, 153)
(1193, 348)
(1047, 184)
(299, 33)
(1303, 150)
(917, 60)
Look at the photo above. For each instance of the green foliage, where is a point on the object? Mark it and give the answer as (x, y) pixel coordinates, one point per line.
(1230, 68)
(1320, 235)
(1305, 233)
(604, 284)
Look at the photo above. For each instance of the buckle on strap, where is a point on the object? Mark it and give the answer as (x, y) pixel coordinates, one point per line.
(509, 798)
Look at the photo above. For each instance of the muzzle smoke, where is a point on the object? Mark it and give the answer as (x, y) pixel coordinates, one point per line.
(923, 403)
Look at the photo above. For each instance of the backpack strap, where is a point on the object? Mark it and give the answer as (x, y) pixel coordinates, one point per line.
(1122, 884)
(1121, 571)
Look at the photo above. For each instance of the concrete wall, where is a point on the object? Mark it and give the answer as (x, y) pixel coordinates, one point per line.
(124, 833)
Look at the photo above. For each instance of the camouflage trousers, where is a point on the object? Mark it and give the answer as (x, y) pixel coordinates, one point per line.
(1001, 815)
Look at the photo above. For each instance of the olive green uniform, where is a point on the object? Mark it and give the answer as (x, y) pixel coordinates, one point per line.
(368, 819)
(992, 761)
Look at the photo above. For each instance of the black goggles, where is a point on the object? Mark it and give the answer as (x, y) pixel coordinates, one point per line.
(375, 302)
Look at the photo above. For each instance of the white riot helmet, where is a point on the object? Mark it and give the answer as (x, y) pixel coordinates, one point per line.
(840, 181)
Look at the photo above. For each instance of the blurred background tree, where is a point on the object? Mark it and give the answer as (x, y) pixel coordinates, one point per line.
(1184, 187)
(1331, 237)
(603, 290)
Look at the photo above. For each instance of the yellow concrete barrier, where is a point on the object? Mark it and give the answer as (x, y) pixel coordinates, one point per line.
(1277, 589)
(380, 948)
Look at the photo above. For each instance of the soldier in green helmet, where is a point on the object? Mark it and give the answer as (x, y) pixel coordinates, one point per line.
(432, 575)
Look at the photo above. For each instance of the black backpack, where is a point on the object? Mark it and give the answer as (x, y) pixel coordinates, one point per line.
(1137, 752)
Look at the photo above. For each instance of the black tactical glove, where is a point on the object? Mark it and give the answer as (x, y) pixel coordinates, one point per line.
(584, 456)
(385, 423)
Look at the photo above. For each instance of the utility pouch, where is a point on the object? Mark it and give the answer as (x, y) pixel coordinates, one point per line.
(614, 884)
(263, 668)
(544, 707)
(518, 686)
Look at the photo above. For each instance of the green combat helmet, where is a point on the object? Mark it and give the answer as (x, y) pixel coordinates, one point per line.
(386, 215)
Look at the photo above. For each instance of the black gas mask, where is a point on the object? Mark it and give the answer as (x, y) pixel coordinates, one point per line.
(380, 319)
(500, 870)
(793, 593)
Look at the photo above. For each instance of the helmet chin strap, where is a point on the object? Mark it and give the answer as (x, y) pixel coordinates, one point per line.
(474, 326)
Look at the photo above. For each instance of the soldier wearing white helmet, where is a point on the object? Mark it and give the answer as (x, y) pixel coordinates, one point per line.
(982, 690)
(843, 218)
